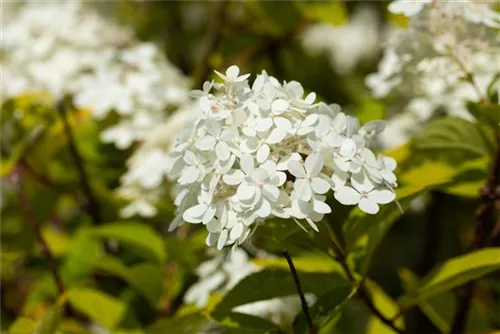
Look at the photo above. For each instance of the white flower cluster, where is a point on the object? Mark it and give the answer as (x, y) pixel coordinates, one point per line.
(432, 62)
(66, 48)
(265, 150)
(143, 184)
(347, 45)
(222, 273)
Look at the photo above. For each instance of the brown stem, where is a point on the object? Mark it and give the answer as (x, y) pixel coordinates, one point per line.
(362, 289)
(92, 203)
(214, 37)
(303, 301)
(484, 232)
(30, 217)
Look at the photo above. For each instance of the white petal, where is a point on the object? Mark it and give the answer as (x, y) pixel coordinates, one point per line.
(209, 215)
(246, 163)
(195, 213)
(389, 163)
(234, 177)
(205, 143)
(189, 158)
(361, 183)
(222, 239)
(245, 191)
(263, 153)
(369, 157)
(382, 196)
(303, 189)
(283, 123)
(263, 124)
(236, 231)
(213, 226)
(222, 151)
(276, 136)
(319, 185)
(347, 148)
(264, 210)
(279, 106)
(313, 164)
(211, 239)
(347, 196)
(296, 168)
(232, 72)
(311, 223)
(249, 145)
(321, 207)
(368, 205)
(259, 175)
(309, 120)
(271, 192)
(189, 175)
(310, 98)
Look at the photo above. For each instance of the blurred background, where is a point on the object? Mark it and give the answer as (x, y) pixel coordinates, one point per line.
(92, 91)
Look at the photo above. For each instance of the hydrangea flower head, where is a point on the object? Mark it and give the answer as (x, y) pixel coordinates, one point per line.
(268, 150)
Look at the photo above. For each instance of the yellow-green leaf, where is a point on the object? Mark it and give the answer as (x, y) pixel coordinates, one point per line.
(388, 307)
(453, 273)
(140, 237)
(104, 309)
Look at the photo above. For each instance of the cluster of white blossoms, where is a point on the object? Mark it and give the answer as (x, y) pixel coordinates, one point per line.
(266, 150)
(222, 273)
(143, 185)
(448, 55)
(348, 45)
(67, 49)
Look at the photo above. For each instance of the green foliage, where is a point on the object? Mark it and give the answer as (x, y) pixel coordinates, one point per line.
(453, 273)
(139, 237)
(272, 283)
(326, 310)
(98, 306)
(454, 134)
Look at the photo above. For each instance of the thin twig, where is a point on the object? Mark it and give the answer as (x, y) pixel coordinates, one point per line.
(303, 301)
(30, 217)
(214, 37)
(362, 289)
(484, 231)
(92, 204)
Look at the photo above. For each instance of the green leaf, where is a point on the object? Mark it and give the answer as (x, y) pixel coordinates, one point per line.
(454, 134)
(140, 237)
(388, 307)
(7, 164)
(102, 308)
(248, 322)
(146, 278)
(22, 325)
(271, 283)
(326, 310)
(453, 273)
(440, 309)
(50, 321)
(190, 323)
(306, 262)
(331, 12)
(488, 114)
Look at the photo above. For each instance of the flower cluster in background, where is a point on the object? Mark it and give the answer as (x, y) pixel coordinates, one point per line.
(266, 150)
(93, 59)
(222, 273)
(348, 45)
(449, 54)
